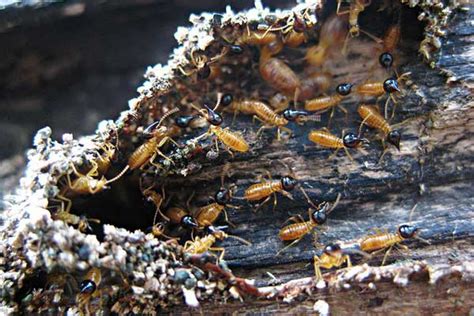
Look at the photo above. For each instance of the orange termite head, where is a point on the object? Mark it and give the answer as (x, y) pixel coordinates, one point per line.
(213, 117)
(407, 231)
(222, 196)
(87, 287)
(391, 85)
(344, 89)
(288, 183)
(394, 138)
(332, 249)
(319, 216)
(351, 140)
(386, 60)
(227, 99)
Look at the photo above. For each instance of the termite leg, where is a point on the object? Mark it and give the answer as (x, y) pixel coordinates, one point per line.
(363, 122)
(385, 149)
(226, 217)
(294, 242)
(285, 129)
(386, 255)
(317, 270)
(275, 201)
(333, 154)
(221, 249)
(296, 219)
(348, 260)
(263, 203)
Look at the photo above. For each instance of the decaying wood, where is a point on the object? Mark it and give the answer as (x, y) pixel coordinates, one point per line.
(434, 171)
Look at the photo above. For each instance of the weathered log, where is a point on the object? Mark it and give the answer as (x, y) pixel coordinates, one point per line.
(433, 170)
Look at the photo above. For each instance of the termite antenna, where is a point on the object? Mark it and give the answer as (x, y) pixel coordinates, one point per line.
(156, 124)
(118, 176)
(246, 242)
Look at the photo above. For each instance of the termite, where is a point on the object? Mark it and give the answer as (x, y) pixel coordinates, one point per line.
(256, 37)
(332, 34)
(88, 288)
(208, 214)
(269, 118)
(230, 139)
(333, 256)
(158, 230)
(326, 139)
(327, 102)
(355, 9)
(276, 73)
(84, 183)
(200, 245)
(267, 188)
(182, 217)
(314, 84)
(372, 117)
(294, 34)
(388, 46)
(147, 152)
(82, 222)
(157, 199)
(204, 69)
(299, 116)
(300, 228)
(377, 89)
(386, 240)
(390, 42)
(103, 160)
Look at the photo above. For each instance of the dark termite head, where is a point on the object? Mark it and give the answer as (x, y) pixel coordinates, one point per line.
(394, 138)
(227, 99)
(222, 196)
(319, 216)
(184, 120)
(331, 249)
(386, 60)
(204, 72)
(217, 20)
(236, 49)
(407, 231)
(288, 183)
(189, 222)
(391, 85)
(87, 287)
(351, 140)
(344, 89)
(294, 115)
(213, 117)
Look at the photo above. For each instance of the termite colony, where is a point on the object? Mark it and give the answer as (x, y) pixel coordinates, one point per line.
(277, 75)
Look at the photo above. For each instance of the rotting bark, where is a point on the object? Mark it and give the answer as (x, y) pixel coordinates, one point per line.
(433, 170)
